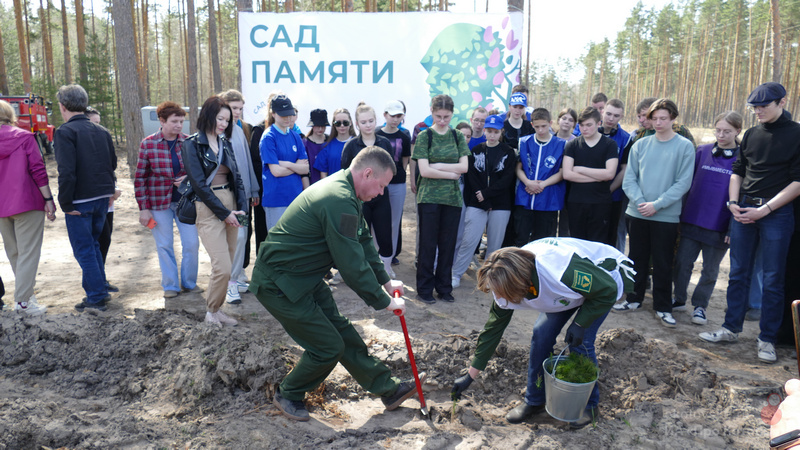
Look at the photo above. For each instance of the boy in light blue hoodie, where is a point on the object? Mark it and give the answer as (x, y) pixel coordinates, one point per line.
(659, 173)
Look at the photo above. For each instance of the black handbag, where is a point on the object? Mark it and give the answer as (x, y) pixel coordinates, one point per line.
(186, 211)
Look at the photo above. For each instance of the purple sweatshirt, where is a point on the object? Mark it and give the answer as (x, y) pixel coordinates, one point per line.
(706, 201)
(22, 172)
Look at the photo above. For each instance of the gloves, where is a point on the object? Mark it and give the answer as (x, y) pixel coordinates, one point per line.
(461, 384)
(574, 337)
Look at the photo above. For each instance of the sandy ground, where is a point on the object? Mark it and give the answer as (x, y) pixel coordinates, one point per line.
(149, 374)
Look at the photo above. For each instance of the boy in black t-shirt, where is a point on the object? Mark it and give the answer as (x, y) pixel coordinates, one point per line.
(590, 163)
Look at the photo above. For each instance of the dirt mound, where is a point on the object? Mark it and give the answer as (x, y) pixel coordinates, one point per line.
(165, 361)
(163, 378)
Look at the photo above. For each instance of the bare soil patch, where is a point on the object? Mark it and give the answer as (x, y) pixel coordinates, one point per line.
(150, 374)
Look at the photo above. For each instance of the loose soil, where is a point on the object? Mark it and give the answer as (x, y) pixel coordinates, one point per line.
(148, 373)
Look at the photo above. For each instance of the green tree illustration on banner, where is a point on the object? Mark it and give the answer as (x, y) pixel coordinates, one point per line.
(465, 62)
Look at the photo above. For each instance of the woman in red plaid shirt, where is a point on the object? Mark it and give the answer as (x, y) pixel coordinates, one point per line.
(158, 175)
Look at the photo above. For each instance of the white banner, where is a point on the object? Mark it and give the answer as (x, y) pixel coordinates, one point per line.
(336, 60)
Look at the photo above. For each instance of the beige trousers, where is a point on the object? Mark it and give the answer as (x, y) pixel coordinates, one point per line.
(219, 240)
(22, 237)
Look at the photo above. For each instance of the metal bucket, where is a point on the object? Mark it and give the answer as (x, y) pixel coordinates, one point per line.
(565, 401)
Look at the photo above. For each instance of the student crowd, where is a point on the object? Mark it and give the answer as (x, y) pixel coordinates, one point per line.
(515, 177)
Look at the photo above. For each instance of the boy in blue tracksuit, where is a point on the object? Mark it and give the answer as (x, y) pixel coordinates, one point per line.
(541, 188)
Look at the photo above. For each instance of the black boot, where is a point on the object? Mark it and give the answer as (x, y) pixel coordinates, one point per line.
(522, 412)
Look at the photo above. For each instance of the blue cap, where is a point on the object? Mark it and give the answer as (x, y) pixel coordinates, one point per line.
(495, 122)
(518, 99)
(766, 94)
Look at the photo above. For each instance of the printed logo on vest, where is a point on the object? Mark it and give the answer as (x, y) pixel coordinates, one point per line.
(582, 281)
(562, 300)
(550, 162)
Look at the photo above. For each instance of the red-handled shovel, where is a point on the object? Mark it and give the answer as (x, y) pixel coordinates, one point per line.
(424, 408)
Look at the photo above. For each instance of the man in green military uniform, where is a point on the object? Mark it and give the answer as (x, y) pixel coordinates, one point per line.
(324, 226)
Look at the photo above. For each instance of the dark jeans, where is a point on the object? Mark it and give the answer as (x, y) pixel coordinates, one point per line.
(437, 231)
(772, 236)
(84, 233)
(545, 332)
(105, 235)
(589, 221)
(656, 240)
(688, 250)
(378, 214)
(532, 225)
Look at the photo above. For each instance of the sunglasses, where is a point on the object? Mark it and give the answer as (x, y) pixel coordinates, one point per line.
(341, 123)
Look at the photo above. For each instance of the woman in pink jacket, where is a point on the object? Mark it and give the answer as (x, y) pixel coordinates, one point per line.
(25, 200)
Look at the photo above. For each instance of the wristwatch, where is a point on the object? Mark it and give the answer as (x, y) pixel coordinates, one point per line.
(731, 202)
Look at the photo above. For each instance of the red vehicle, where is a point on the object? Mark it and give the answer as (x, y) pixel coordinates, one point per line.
(32, 112)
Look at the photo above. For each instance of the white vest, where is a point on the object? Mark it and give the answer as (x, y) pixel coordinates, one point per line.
(553, 256)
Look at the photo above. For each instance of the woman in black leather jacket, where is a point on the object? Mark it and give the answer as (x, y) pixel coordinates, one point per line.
(214, 177)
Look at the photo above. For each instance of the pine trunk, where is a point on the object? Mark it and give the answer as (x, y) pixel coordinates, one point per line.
(776, 40)
(65, 39)
(763, 62)
(191, 63)
(144, 71)
(23, 51)
(3, 71)
(127, 68)
(169, 52)
(158, 60)
(83, 72)
(48, 49)
(213, 48)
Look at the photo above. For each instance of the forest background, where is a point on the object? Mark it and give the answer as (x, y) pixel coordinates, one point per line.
(705, 54)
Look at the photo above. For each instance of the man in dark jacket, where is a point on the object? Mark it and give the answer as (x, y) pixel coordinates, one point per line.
(86, 164)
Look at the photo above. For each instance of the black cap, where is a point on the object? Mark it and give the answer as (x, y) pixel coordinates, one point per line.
(766, 94)
(282, 106)
(319, 118)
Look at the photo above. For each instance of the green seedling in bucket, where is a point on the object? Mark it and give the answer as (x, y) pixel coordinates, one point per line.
(568, 383)
(577, 368)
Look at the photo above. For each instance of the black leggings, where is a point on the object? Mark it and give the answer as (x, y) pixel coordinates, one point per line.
(378, 214)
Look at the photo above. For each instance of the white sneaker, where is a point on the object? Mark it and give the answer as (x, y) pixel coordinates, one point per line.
(455, 282)
(626, 306)
(243, 286)
(226, 319)
(766, 352)
(232, 296)
(666, 319)
(721, 335)
(699, 316)
(31, 307)
(211, 318)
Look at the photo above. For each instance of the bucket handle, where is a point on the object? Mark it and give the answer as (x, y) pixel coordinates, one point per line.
(553, 372)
